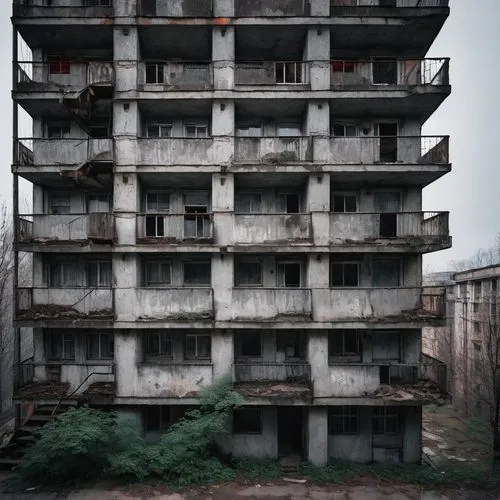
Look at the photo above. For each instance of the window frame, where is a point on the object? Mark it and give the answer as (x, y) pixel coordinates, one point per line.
(159, 69)
(244, 262)
(100, 198)
(384, 415)
(164, 424)
(100, 272)
(156, 210)
(65, 338)
(160, 127)
(344, 195)
(186, 284)
(346, 126)
(258, 418)
(343, 263)
(344, 414)
(196, 356)
(64, 130)
(164, 338)
(345, 355)
(280, 275)
(148, 283)
(69, 268)
(53, 197)
(238, 201)
(99, 337)
(240, 356)
(196, 126)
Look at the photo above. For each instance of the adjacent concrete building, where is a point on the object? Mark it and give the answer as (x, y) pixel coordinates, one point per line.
(234, 188)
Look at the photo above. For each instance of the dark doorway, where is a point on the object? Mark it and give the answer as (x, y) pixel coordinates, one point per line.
(290, 431)
(388, 133)
(385, 71)
(388, 3)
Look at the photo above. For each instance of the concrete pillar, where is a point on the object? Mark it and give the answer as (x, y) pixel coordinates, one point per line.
(320, 7)
(223, 46)
(222, 207)
(317, 436)
(223, 131)
(125, 281)
(126, 358)
(318, 118)
(222, 282)
(318, 204)
(39, 354)
(38, 200)
(317, 357)
(317, 52)
(126, 196)
(222, 352)
(125, 8)
(223, 8)
(126, 56)
(412, 434)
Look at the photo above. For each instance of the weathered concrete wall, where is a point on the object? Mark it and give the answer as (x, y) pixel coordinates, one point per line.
(317, 436)
(271, 228)
(84, 300)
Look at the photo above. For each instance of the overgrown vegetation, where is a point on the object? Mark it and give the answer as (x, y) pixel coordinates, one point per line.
(85, 443)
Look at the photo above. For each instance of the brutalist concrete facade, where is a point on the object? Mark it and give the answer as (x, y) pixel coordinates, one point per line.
(234, 188)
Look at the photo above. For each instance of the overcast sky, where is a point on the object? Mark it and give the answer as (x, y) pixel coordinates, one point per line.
(471, 116)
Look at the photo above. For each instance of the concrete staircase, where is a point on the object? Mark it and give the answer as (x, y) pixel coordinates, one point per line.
(11, 455)
(290, 466)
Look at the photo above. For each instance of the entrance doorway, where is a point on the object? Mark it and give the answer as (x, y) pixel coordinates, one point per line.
(388, 133)
(290, 431)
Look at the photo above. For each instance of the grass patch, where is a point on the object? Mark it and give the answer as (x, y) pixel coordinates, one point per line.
(254, 468)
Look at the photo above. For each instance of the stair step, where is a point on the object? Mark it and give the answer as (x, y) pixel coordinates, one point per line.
(32, 429)
(39, 418)
(26, 439)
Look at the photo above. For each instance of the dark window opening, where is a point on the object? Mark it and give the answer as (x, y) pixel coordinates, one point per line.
(154, 73)
(247, 421)
(290, 203)
(197, 274)
(388, 3)
(59, 67)
(388, 225)
(100, 346)
(343, 66)
(62, 346)
(148, 7)
(289, 274)
(155, 226)
(344, 274)
(385, 420)
(249, 273)
(385, 71)
(158, 344)
(157, 418)
(250, 345)
(344, 203)
(343, 420)
(344, 343)
(388, 142)
(342, 130)
(198, 347)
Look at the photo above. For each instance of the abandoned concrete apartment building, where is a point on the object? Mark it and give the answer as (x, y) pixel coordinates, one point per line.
(233, 188)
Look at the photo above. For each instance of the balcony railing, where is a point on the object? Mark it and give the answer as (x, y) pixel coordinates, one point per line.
(423, 4)
(380, 72)
(173, 304)
(63, 151)
(434, 370)
(272, 73)
(264, 304)
(175, 8)
(273, 372)
(45, 228)
(359, 150)
(264, 8)
(63, 8)
(362, 227)
(64, 303)
(174, 227)
(169, 75)
(273, 149)
(373, 304)
(271, 228)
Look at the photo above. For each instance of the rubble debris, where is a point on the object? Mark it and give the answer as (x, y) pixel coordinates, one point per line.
(282, 157)
(53, 311)
(42, 390)
(266, 388)
(420, 391)
(99, 392)
(181, 316)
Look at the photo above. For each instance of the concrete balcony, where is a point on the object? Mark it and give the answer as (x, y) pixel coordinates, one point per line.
(273, 75)
(65, 228)
(168, 75)
(269, 229)
(62, 75)
(373, 304)
(273, 150)
(175, 228)
(45, 303)
(271, 8)
(63, 152)
(62, 8)
(270, 304)
(339, 5)
(297, 371)
(177, 304)
(175, 8)
(421, 150)
(182, 151)
(169, 380)
(428, 231)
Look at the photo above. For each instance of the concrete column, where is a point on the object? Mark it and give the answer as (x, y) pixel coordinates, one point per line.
(412, 434)
(223, 8)
(39, 354)
(38, 200)
(125, 281)
(317, 436)
(222, 352)
(126, 195)
(320, 7)
(318, 119)
(317, 357)
(318, 204)
(125, 8)
(223, 206)
(38, 274)
(222, 283)
(317, 52)
(223, 46)
(126, 357)
(126, 56)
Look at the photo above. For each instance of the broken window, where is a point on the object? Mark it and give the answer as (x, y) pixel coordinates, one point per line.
(58, 131)
(64, 275)
(247, 421)
(158, 274)
(475, 307)
(293, 344)
(61, 346)
(388, 204)
(198, 347)
(249, 344)
(289, 203)
(344, 130)
(344, 203)
(289, 274)
(98, 203)
(197, 222)
(344, 274)
(60, 204)
(288, 72)
(158, 130)
(386, 346)
(158, 344)
(249, 273)
(100, 346)
(385, 71)
(343, 420)
(477, 290)
(345, 344)
(197, 273)
(156, 202)
(248, 203)
(196, 131)
(157, 418)
(386, 273)
(385, 420)
(155, 73)
(99, 274)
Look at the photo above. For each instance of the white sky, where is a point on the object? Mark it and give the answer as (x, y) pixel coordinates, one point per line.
(471, 116)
